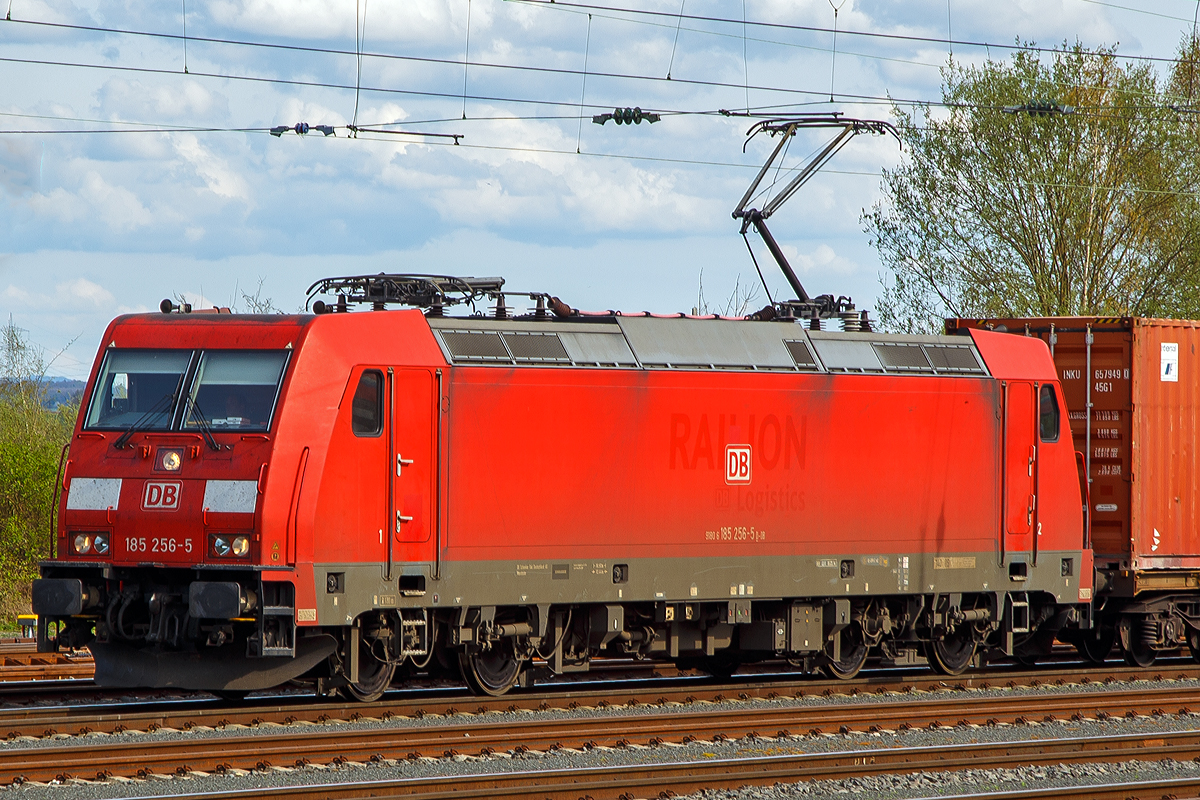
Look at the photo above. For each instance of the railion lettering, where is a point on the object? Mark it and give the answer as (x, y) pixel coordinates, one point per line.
(703, 441)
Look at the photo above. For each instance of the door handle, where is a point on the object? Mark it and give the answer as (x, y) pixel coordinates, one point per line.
(401, 462)
(400, 519)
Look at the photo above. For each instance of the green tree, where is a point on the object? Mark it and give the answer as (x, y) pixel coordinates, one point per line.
(1090, 207)
(31, 440)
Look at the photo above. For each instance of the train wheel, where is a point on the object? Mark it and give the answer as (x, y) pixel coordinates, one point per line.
(1034, 648)
(1097, 648)
(492, 672)
(854, 655)
(374, 677)
(952, 655)
(1138, 655)
(1193, 640)
(720, 667)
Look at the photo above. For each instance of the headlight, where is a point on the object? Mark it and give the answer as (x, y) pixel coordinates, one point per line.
(169, 459)
(220, 546)
(241, 546)
(100, 543)
(82, 543)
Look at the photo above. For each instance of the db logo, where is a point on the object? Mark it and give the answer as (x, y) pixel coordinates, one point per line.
(161, 496)
(737, 463)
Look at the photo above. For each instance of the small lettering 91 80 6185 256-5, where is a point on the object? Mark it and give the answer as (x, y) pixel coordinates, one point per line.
(736, 533)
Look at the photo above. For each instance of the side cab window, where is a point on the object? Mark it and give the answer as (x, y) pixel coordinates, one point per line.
(367, 408)
(1048, 414)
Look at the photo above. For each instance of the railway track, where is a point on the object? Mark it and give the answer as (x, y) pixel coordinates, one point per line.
(680, 777)
(20, 661)
(479, 731)
(182, 714)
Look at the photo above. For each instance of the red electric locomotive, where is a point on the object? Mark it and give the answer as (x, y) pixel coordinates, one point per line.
(251, 499)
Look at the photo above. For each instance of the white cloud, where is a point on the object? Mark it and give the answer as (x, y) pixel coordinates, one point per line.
(820, 261)
(186, 100)
(18, 165)
(115, 206)
(422, 21)
(221, 179)
(83, 290)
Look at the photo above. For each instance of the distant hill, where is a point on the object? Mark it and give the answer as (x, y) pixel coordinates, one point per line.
(60, 391)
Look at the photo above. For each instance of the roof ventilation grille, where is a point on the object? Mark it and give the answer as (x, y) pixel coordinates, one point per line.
(953, 358)
(537, 347)
(902, 357)
(801, 354)
(475, 346)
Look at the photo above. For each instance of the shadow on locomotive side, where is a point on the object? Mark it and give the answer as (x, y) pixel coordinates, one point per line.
(352, 497)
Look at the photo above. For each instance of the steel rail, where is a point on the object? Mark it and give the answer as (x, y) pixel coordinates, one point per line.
(880, 677)
(1149, 790)
(478, 735)
(67, 719)
(688, 776)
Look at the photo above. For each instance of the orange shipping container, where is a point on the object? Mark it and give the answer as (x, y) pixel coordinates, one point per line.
(1140, 378)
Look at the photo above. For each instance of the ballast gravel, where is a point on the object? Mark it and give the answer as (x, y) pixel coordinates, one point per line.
(888, 787)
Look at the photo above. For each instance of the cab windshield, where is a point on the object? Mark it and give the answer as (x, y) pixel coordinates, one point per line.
(137, 384)
(234, 390)
(186, 390)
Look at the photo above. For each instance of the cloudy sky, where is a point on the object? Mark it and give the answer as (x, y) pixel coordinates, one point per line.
(135, 162)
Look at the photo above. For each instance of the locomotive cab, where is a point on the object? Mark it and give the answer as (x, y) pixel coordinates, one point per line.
(161, 566)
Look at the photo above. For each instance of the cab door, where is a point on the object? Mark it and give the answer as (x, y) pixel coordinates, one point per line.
(414, 465)
(351, 521)
(1020, 467)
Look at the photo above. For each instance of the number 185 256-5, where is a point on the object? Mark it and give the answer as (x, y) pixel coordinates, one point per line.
(157, 544)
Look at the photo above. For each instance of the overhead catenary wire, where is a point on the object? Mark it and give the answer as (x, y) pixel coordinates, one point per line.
(745, 62)
(567, 5)
(455, 62)
(395, 56)
(185, 37)
(466, 60)
(581, 8)
(389, 56)
(583, 89)
(360, 32)
(627, 157)
(675, 44)
(949, 30)
(833, 60)
(1134, 10)
(857, 173)
(857, 98)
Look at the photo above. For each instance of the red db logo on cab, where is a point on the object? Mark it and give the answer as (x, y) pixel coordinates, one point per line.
(161, 496)
(737, 463)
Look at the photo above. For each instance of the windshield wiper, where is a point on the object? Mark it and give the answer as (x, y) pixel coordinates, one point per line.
(202, 424)
(167, 401)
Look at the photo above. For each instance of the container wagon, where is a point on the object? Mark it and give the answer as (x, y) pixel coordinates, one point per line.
(1132, 388)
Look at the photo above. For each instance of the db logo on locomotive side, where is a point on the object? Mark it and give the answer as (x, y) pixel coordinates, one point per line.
(161, 496)
(737, 464)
